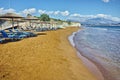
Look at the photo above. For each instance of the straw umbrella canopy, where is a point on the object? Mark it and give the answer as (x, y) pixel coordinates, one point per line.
(19, 20)
(15, 20)
(30, 18)
(11, 16)
(6, 19)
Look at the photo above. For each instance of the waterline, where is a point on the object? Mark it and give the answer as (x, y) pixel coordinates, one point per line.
(90, 65)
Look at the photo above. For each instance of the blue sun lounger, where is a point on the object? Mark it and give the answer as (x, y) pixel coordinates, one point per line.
(10, 36)
(1, 40)
(19, 34)
(29, 34)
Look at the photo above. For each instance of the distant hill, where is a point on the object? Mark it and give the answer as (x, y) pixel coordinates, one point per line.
(97, 21)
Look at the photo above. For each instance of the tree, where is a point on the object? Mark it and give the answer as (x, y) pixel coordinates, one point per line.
(44, 17)
(29, 15)
(69, 22)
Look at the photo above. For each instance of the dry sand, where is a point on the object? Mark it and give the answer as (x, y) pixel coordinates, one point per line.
(49, 56)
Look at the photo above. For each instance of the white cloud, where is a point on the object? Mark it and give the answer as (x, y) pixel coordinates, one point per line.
(29, 11)
(42, 11)
(10, 11)
(108, 17)
(79, 15)
(101, 15)
(50, 12)
(63, 13)
(75, 15)
(3, 11)
(114, 18)
(106, 1)
(45, 12)
(82, 18)
(56, 12)
(33, 10)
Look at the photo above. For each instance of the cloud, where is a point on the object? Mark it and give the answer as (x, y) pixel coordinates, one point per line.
(75, 15)
(83, 18)
(1, 10)
(108, 17)
(29, 11)
(42, 11)
(50, 12)
(56, 12)
(63, 13)
(10, 10)
(59, 13)
(46, 12)
(34, 11)
(106, 1)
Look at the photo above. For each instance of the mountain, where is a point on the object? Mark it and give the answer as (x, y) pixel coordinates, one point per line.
(96, 21)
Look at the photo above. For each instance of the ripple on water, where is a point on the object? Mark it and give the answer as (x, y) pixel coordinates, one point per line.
(101, 45)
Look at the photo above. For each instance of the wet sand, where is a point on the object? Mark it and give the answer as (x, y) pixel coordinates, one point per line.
(86, 61)
(49, 56)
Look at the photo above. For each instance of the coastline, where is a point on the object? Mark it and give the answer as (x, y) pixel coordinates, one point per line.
(49, 56)
(97, 69)
(88, 63)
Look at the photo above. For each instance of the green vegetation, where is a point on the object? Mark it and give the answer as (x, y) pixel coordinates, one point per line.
(69, 22)
(29, 15)
(44, 17)
(55, 19)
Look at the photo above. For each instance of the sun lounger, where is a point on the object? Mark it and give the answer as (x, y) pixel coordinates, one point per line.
(18, 33)
(30, 34)
(10, 36)
(1, 40)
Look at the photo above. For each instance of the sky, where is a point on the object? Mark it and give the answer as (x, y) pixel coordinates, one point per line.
(64, 9)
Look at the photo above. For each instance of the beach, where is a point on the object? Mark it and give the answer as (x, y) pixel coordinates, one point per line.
(49, 56)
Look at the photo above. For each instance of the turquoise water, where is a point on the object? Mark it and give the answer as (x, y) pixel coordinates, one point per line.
(101, 44)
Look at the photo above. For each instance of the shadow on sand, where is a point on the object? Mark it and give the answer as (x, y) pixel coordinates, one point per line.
(41, 33)
(8, 40)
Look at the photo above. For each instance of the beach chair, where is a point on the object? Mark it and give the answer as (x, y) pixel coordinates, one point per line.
(18, 33)
(10, 36)
(1, 40)
(30, 34)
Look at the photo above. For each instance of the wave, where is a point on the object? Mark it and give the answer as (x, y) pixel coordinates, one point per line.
(89, 64)
(102, 47)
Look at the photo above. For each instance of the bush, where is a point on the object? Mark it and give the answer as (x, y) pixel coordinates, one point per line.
(44, 17)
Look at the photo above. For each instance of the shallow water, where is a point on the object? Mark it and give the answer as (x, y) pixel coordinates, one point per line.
(101, 44)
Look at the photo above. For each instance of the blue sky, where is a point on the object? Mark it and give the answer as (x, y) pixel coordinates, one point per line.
(62, 8)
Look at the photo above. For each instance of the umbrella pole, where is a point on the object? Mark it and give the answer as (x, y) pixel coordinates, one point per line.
(12, 24)
(17, 23)
(30, 23)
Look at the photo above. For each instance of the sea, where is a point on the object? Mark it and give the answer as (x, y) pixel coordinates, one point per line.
(100, 45)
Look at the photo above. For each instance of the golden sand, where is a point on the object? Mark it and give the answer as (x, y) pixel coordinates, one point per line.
(49, 56)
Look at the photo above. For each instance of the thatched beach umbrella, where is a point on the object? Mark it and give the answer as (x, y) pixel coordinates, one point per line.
(11, 16)
(30, 18)
(18, 21)
(15, 20)
(53, 23)
(5, 19)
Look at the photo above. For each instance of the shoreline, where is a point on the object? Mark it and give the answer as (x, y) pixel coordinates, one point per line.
(105, 73)
(101, 70)
(88, 63)
(49, 56)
